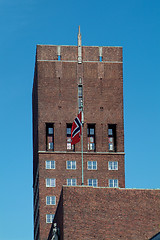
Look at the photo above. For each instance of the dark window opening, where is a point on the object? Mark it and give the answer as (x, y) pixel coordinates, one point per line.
(112, 141)
(49, 137)
(69, 145)
(91, 137)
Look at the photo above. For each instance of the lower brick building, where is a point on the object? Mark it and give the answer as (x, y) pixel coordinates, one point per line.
(104, 214)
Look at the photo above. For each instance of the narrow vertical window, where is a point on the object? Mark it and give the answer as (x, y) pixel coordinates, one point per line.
(49, 137)
(112, 145)
(100, 54)
(59, 52)
(69, 145)
(91, 137)
(80, 96)
(100, 58)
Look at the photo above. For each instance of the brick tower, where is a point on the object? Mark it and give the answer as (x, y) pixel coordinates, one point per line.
(65, 77)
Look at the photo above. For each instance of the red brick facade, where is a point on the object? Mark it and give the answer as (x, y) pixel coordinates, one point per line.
(105, 214)
(55, 100)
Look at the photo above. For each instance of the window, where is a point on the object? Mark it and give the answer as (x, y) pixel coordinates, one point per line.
(92, 165)
(91, 137)
(49, 137)
(50, 182)
(69, 145)
(50, 164)
(112, 137)
(51, 200)
(113, 183)
(92, 182)
(113, 165)
(49, 218)
(71, 181)
(71, 164)
(80, 96)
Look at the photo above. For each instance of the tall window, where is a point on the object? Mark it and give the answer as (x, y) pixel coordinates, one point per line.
(71, 181)
(50, 164)
(69, 145)
(91, 137)
(112, 145)
(50, 182)
(92, 182)
(49, 218)
(71, 164)
(113, 183)
(49, 137)
(92, 165)
(80, 96)
(113, 165)
(51, 200)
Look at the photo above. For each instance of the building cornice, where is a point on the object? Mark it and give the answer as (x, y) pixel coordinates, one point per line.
(86, 153)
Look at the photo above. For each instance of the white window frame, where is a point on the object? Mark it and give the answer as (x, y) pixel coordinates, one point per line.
(71, 182)
(113, 183)
(92, 165)
(93, 182)
(50, 164)
(49, 218)
(50, 200)
(72, 164)
(50, 182)
(113, 165)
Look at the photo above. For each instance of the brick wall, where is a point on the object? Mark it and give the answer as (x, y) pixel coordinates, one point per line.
(103, 100)
(105, 213)
(55, 100)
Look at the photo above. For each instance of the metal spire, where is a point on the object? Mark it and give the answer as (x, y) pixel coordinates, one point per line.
(79, 46)
(79, 37)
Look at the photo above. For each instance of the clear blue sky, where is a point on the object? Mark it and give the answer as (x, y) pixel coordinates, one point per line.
(135, 25)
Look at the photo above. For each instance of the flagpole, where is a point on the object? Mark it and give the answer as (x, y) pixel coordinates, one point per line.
(82, 143)
(80, 61)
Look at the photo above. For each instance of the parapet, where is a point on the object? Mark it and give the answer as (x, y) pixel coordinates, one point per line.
(70, 53)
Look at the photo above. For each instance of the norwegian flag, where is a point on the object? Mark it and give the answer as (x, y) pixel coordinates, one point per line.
(76, 129)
